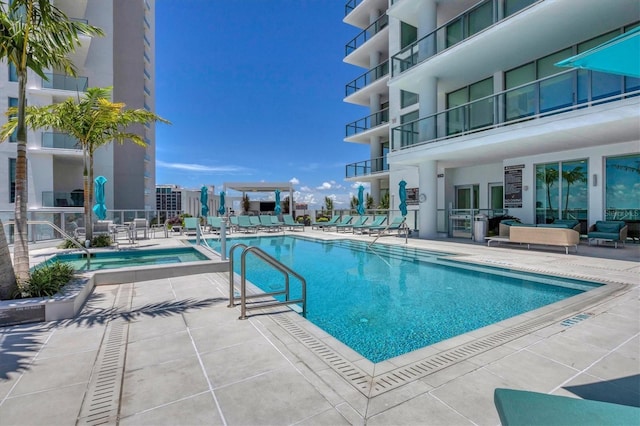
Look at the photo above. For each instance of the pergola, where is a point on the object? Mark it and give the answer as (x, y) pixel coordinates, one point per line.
(245, 187)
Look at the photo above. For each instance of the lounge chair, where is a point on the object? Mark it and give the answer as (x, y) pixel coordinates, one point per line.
(255, 220)
(608, 230)
(245, 225)
(346, 219)
(276, 221)
(396, 224)
(290, 223)
(377, 221)
(517, 407)
(267, 225)
(214, 223)
(233, 223)
(349, 226)
(334, 219)
(191, 225)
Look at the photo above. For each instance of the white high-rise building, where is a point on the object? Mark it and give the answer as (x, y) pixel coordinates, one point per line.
(123, 59)
(468, 107)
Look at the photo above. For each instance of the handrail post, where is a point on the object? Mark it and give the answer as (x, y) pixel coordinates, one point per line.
(232, 301)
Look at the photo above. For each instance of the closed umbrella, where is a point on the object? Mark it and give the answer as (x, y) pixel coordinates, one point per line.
(277, 210)
(100, 209)
(361, 200)
(403, 198)
(204, 199)
(222, 208)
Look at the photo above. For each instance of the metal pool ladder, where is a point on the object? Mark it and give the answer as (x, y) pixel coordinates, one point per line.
(284, 269)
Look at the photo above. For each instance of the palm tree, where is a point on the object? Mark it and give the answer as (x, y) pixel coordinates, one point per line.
(35, 35)
(328, 202)
(549, 176)
(369, 201)
(94, 121)
(573, 176)
(354, 203)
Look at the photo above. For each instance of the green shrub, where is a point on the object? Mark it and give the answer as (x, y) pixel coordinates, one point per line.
(47, 280)
(101, 241)
(323, 219)
(68, 244)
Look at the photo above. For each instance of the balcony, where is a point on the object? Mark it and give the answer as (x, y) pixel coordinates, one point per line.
(564, 92)
(62, 199)
(59, 141)
(369, 122)
(366, 35)
(367, 78)
(478, 18)
(350, 6)
(65, 82)
(367, 167)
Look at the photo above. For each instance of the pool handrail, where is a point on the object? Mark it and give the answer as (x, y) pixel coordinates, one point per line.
(284, 269)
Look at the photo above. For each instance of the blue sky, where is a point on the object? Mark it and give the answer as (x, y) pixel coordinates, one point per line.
(254, 90)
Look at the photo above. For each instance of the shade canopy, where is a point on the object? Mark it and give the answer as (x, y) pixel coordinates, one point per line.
(620, 55)
(361, 200)
(277, 209)
(204, 199)
(100, 209)
(402, 192)
(221, 209)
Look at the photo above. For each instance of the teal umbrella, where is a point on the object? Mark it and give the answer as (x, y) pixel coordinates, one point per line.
(278, 209)
(403, 198)
(204, 199)
(222, 208)
(361, 200)
(100, 209)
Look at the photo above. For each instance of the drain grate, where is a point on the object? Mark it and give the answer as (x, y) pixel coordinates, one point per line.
(102, 398)
(575, 319)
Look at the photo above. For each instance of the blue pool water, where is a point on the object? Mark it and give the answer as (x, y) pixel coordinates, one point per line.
(386, 301)
(125, 259)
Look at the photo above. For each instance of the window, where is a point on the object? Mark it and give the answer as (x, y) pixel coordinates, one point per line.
(602, 84)
(408, 34)
(13, 74)
(12, 180)
(496, 196)
(408, 98)
(13, 137)
(470, 116)
(562, 191)
(622, 193)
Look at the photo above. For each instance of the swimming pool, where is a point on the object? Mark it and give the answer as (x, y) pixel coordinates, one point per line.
(386, 301)
(129, 258)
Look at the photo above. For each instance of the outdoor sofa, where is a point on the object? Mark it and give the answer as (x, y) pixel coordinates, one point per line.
(562, 235)
(608, 230)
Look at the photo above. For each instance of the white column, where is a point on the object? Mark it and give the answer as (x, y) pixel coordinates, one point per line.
(427, 23)
(428, 97)
(428, 213)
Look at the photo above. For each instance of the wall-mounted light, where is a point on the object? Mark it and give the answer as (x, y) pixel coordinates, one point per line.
(595, 180)
(526, 187)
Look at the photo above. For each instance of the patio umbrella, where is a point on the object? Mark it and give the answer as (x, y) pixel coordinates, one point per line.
(100, 209)
(204, 199)
(403, 197)
(278, 209)
(361, 200)
(221, 209)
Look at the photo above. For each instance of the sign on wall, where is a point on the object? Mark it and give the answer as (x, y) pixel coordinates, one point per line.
(412, 196)
(513, 186)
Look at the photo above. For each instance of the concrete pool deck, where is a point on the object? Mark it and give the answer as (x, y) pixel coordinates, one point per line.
(169, 351)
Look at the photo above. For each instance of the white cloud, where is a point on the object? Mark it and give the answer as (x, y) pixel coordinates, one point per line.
(305, 189)
(294, 181)
(324, 186)
(199, 168)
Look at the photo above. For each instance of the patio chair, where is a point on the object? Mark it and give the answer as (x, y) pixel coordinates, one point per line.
(377, 221)
(245, 225)
(140, 225)
(608, 230)
(346, 219)
(266, 223)
(349, 226)
(397, 224)
(517, 407)
(191, 225)
(102, 227)
(290, 223)
(334, 219)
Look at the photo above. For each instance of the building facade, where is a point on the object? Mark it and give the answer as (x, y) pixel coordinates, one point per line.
(477, 116)
(124, 60)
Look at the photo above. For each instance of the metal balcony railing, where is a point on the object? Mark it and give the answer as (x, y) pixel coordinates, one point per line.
(59, 141)
(65, 82)
(367, 78)
(562, 92)
(368, 122)
(367, 167)
(62, 199)
(366, 34)
(351, 4)
(469, 23)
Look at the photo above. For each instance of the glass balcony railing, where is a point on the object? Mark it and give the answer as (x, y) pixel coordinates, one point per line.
(365, 35)
(367, 167)
(351, 4)
(62, 199)
(563, 92)
(367, 78)
(471, 22)
(65, 82)
(59, 140)
(369, 122)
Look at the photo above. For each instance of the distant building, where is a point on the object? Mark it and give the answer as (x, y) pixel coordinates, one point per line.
(177, 200)
(467, 106)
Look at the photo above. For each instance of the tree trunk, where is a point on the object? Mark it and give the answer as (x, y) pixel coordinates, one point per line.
(21, 243)
(7, 277)
(88, 225)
